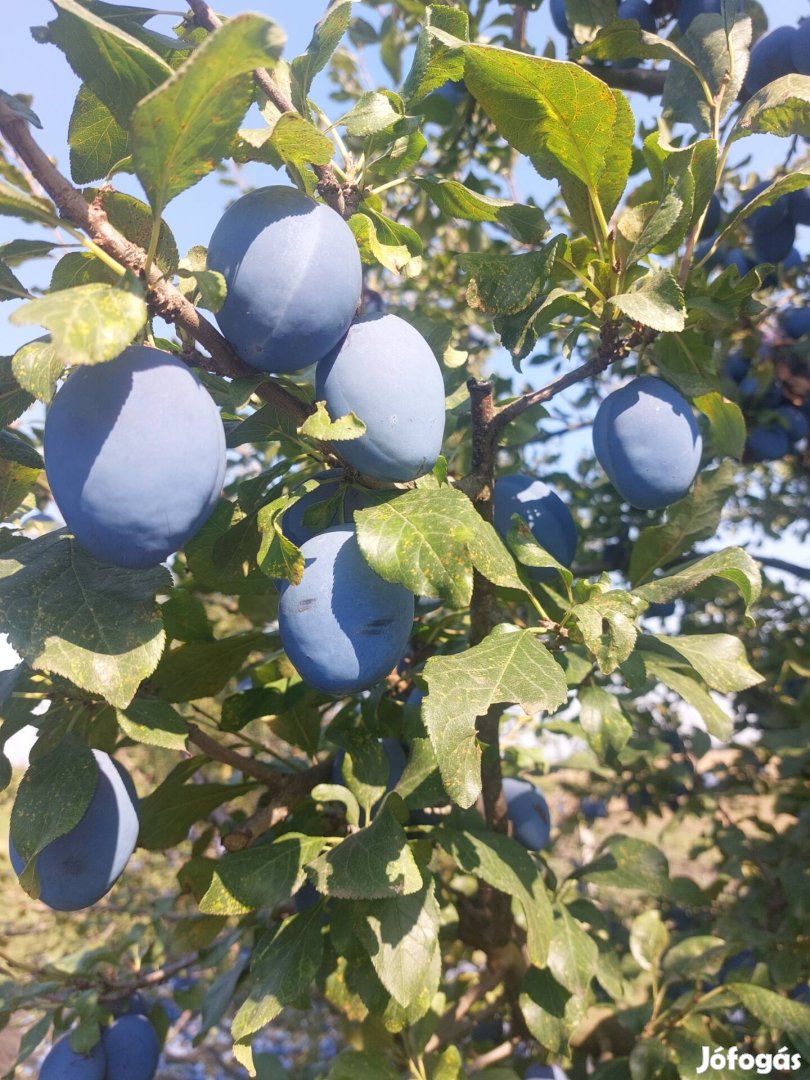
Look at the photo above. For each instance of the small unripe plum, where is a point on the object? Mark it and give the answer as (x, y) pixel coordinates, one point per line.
(529, 813)
(797, 424)
(63, 1063)
(386, 373)
(774, 244)
(690, 9)
(329, 487)
(543, 511)
(132, 1048)
(711, 222)
(771, 58)
(799, 201)
(77, 869)
(648, 442)
(800, 49)
(767, 443)
(639, 10)
(796, 321)
(342, 626)
(560, 18)
(294, 278)
(135, 456)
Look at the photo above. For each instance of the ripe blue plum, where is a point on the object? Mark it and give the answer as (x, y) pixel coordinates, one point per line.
(77, 869)
(799, 201)
(766, 217)
(647, 440)
(711, 222)
(135, 456)
(771, 58)
(543, 510)
(639, 10)
(132, 1048)
(736, 366)
(796, 321)
(529, 813)
(342, 626)
(545, 1072)
(386, 373)
(294, 278)
(796, 423)
(767, 443)
(560, 18)
(63, 1063)
(767, 396)
(800, 49)
(775, 243)
(306, 897)
(690, 9)
(294, 525)
(737, 257)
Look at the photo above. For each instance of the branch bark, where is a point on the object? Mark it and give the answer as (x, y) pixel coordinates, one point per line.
(282, 797)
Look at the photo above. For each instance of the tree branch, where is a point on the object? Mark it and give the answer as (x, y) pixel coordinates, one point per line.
(284, 795)
(259, 770)
(343, 198)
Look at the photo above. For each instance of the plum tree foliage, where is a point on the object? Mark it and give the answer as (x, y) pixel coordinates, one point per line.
(350, 796)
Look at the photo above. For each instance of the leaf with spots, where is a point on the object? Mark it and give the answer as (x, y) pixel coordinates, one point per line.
(573, 954)
(69, 614)
(719, 659)
(20, 465)
(525, 223)
(506, 284)
(607, 623)
(153, 723)
(509, 667)
(732, 564)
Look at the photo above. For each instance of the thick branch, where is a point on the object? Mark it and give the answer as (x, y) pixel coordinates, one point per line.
(341, 197)
(647, 81)
(259, 770)
(285, 795)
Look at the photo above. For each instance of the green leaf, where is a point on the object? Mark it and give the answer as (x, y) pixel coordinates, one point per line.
(694, 518)
(362, 1065)
(133, 218)
(291, 139)
(16, 252)
(282, 971)
(81, 268)
(97, 141)
(603, 720)
(11, 288)
(204, 288)
(434, 62)
(586, 17)
(732, 564)
(154, 723)
(625, 862)
(795, 181)
(683, 682)
(69, 614)
(379, 242)
(720, 659)
(774, 1010)
(371, 864)
(525, 223)
(696, 956)
(643, 227)
(510, 666)
(551, 1013)
(325, 39)
(528, 552)
(649, 939)
(182, 130)
(780, 108)
(502, 863)
(37, 369)
(19, 204)
(545, 107)
(401, 936)
(52, 799)
(625, 40)
(655, 301)
(607, 624)
(89, 324)
(374, 112)
(20, 465)
(506, 284)
(17, 105)
(573, 953)
(320, 426)
(199, 669)
(262, 876)
(13, 400)
(687, 361)
(722, 61)
(168, 812)
(429, 540)
(277, 556)
(114, 65)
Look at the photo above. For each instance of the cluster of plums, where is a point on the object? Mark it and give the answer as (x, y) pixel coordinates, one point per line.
(642, 12)
(129, 1049)
(771, 231)
(780, 425)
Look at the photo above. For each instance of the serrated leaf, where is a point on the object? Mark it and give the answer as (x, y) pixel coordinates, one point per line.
(733, 564)
(182, 130)
(429, 540)
(20, 465)
(117, 68)
(607, 624)
(625, 40)
(434, 62)
(16, 252)
(13, 399)
(774, 1010)
(528, 552)
(325, 39)
(502, 863)
(362, 1065)
(525, 223)
(154, 723)
(81, 268)
(506, 284)
(291, 139)
(655, 301)
(379, 244)
(37, 369)
(318, 425)
(89, 324)
(371, 864)
(69, 614)
(719, 659)
(133, 218)
(722, 61)
(19, 204)
(551, 1013)
(282, 971)
(625, 862)
(97, 141)
(401, 936)
(783, 185)
(199, 669)
(694, 518)
(698, 955)
(687, 361)
(510, 666)
(572, 954)
(644, 226)
(374, 112)
(780, 108)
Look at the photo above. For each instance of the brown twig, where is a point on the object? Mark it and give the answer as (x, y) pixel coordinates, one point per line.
(259, 770)
(286, 792)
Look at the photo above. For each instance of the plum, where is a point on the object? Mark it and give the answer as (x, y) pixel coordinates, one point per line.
(386, 373)
(690, 9)
(771, 58)
(560, 18)
(543, 511)
(799, 201)
(796, 423)
(529, 813)
(767, 443)
(800, 50)
(342, 626)
(796, 321)
(639, 10)
(766, 217)
(135, 456)
(294, 278)
(648, 442)
(330, 486)
(545, 1072)
(77, 869)
(775, 243)
(711, 222)
(735, 366)
(737, 257)
(132, 1048)
(63, 1063)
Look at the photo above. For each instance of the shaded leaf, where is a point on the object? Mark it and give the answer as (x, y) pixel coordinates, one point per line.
(525, 223)
(625, 862)
(732, 564)
(97, 140)
(154, 723)
(720, 659)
